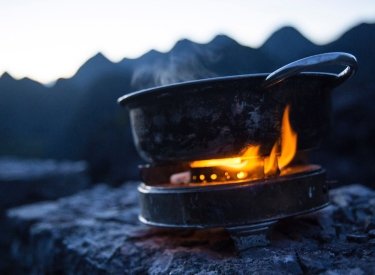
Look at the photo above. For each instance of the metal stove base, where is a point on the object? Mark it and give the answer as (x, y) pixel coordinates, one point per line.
(248, 210)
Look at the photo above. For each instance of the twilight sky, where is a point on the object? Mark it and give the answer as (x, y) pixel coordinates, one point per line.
(48, 39)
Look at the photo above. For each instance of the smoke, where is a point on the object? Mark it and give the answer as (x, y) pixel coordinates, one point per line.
(182, 63)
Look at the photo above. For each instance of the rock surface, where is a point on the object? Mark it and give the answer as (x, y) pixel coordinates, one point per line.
(24, 181)
(97, 232)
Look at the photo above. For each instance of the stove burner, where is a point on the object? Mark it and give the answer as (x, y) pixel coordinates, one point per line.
(248, 209)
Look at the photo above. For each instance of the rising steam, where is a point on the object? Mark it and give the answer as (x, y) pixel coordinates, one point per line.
(179, 65)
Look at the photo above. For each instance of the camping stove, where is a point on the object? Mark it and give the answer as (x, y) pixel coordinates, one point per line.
(232, 151)
(248, 209)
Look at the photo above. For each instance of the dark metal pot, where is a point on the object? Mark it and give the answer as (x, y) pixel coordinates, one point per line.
(221, 117)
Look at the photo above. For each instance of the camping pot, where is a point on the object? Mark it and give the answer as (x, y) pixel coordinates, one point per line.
(221, 117)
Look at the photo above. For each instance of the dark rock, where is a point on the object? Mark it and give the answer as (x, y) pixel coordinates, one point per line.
(294, 268)
(359, 238)
(356, 191)
(345, 249)
(361, 215)
(369, 224)
(24, 181)
(29, 180)
(5, 241)
(316, 262)
(97, 232)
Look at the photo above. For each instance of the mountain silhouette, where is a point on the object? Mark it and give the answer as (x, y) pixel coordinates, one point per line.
(78, 118)
(287, 44)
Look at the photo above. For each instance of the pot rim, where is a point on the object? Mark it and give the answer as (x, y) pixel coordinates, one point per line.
(162, 91)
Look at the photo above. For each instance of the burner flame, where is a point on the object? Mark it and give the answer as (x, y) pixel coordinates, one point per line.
(278, 159)
(288, 141)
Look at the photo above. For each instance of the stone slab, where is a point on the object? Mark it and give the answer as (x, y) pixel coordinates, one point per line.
(30, 180)
(24, 181)
(97, 232)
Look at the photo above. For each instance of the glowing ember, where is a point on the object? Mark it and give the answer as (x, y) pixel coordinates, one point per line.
(242, 175)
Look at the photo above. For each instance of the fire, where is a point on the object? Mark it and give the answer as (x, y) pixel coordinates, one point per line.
(271, 163)
(251, 161)
(248, 161)
(288, 141)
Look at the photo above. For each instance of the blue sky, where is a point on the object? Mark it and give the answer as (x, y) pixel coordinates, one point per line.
(48, 39)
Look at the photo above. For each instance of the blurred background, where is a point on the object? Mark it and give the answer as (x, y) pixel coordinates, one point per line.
(63, 64)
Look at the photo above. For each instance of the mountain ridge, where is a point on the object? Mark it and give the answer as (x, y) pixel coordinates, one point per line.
(99, 58)
(285, 33)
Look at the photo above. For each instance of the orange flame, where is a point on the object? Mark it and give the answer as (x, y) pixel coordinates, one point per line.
(251, 159)
(270, 163)
(248, 160)
(288, 141)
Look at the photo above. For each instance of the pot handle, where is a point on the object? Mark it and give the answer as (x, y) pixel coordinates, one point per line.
(333, 58)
